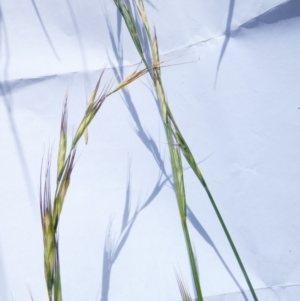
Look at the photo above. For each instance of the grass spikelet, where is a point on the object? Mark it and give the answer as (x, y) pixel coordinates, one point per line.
(91, 111)
(91, 102)
(155, 52)
(63, 139)
(142, 12)
(86, 135)
(47, 227)
(63, 187)
(129, 79)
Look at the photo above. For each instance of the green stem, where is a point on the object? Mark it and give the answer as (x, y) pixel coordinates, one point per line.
(237, 256)
(192, 260)
(189, 157)
(177, 171)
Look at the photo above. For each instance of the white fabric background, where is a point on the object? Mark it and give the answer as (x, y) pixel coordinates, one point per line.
(236, 99)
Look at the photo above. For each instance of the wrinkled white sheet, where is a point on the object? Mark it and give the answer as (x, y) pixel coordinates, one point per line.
(234, 91)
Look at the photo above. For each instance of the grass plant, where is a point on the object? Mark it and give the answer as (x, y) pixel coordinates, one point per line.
(176, 142)
(51, 208)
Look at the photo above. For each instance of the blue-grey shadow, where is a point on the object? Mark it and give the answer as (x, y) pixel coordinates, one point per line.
(44, 29)
(4, 84)
(227, 37)
(3, 277)
(284, 11)
(281, 12)
(78, 34)
(199, 228)
(144, 136)
(112, 248)
(6, 94)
